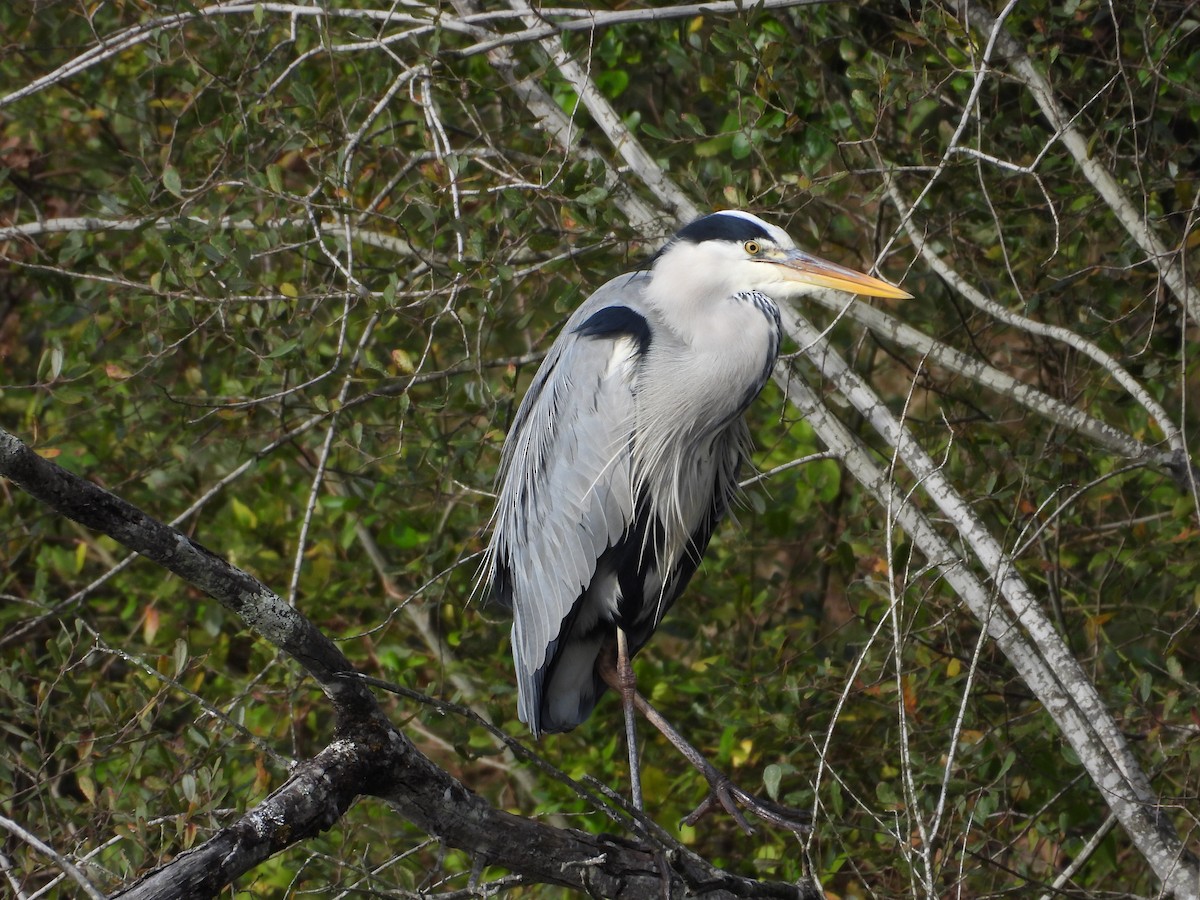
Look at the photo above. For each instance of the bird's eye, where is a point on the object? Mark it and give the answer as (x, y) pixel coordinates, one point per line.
(752, 247)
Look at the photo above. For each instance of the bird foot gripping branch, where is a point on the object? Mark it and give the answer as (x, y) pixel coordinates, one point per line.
(728, 796)
(722, 793)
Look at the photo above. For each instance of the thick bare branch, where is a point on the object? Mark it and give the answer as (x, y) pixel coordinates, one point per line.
(1044, 661)
(666, 192)
(369, 757)
(889, 328)
(1169, 263)
(1176, 461)
(263, 611)
(561, 128)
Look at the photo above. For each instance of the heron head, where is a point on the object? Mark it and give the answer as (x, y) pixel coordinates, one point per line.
(734, 251)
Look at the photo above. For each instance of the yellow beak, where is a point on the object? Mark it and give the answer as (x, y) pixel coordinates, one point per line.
(807, 269)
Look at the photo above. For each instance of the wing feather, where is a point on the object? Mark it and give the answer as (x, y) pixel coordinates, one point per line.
(567, 493)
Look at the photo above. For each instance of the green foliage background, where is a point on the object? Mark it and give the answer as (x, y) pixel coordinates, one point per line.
(312, 292)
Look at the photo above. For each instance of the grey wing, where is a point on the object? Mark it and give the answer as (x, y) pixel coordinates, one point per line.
(566, 494)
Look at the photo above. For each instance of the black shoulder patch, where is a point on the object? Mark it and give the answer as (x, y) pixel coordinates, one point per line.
(616, 321)
(722, 227)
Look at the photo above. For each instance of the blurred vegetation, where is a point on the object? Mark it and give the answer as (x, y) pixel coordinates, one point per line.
(303, 392)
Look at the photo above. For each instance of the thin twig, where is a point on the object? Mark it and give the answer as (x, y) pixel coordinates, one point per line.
(49, 852)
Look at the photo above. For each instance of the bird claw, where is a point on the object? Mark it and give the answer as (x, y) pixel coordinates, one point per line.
(724, 793)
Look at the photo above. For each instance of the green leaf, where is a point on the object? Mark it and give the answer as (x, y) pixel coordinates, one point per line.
(772, 776)
(170, 180)
(593, 196)
(286, 348)
(740, 147)
(243, 513)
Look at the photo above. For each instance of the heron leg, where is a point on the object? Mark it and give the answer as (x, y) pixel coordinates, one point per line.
(626, 686)
(722, 791)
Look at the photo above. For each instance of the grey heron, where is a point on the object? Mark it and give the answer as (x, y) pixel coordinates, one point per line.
(624, 456)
